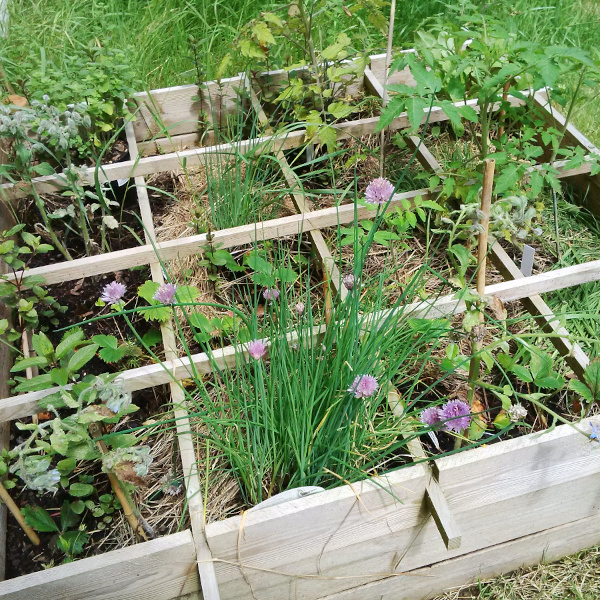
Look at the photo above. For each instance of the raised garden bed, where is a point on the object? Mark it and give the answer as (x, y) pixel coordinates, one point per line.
(376, 538)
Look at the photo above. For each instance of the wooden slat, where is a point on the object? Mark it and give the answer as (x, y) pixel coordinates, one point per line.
(574, 356)
(333, 541)
(535, 305)
(178, 108)
(442, 515)
(225, 238)
(149, 376)
(6, 222)
(161, 569)
(185, 441)
(543, 547)
(588, 186)
(196, 156)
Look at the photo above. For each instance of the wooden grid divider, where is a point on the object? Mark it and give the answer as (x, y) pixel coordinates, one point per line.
(208, 580)
(177, 368)
(574, 356)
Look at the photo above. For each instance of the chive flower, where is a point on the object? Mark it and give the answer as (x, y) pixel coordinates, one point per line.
(379, 191)
(300, 308)
(165, 294)
(430, 416)
(457, 415)
(113, 292)
(271, 294)
(349, 280)
(363, 386)
(257, 349)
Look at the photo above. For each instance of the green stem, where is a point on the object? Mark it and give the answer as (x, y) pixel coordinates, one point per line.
(42, 209)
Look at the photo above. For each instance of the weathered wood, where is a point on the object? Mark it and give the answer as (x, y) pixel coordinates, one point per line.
(535, 305)
(574, 356)
(152, 375)
(185, 441)
(336, 540)
(225, 238)
(6, 222)
(177, 110)
(161, 569)
(543, 547)
(442, 515)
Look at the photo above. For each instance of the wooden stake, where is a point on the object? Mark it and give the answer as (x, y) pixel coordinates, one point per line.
(128, 511)
(385, 97)
(16, 513)
(482, 244)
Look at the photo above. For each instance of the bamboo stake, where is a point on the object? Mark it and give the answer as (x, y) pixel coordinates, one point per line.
(128, 511)
(16, 513)
(482, 244)
(388, 62)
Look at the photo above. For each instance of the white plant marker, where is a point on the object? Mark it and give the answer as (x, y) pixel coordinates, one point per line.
(527, 260)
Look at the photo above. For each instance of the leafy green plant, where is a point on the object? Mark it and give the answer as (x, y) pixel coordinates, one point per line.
(97, 76)
(40, 139)
(63, 363)
(24, 294)
(48, 457)
(316, 89)
(479, 57)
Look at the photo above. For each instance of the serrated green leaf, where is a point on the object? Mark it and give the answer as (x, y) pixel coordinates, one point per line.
(68, 343)
(582, 389)
(592, 378)
(42, 345)
(39, 519)
(415, 107)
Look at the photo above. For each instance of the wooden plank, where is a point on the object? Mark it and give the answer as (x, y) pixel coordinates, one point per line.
(574, 356)
(161, 569)
(151, 375)
(225, 238)
(335, 540)
(442, 515)
(195, 156)
(185, 441)
(177, 109)
(588, 186)
(6, 222)
(543, 547)
(535, 305)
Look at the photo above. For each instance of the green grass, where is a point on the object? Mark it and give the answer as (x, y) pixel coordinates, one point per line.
(157, 32)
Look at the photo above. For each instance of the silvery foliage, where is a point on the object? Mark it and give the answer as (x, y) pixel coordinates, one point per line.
(51, 127)
(111, 392)
(138, 455)
(512, 216)
(35, 472)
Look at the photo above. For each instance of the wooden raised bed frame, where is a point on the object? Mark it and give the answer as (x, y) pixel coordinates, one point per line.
(508, 505)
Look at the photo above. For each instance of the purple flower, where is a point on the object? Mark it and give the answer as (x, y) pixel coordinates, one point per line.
(379, 191)
(166, 293)
(257, 349)
(271, 294)
(349, 280)
(457, 415)
(300, 308)
(113, 292)
(363, 386)
(430, 416)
